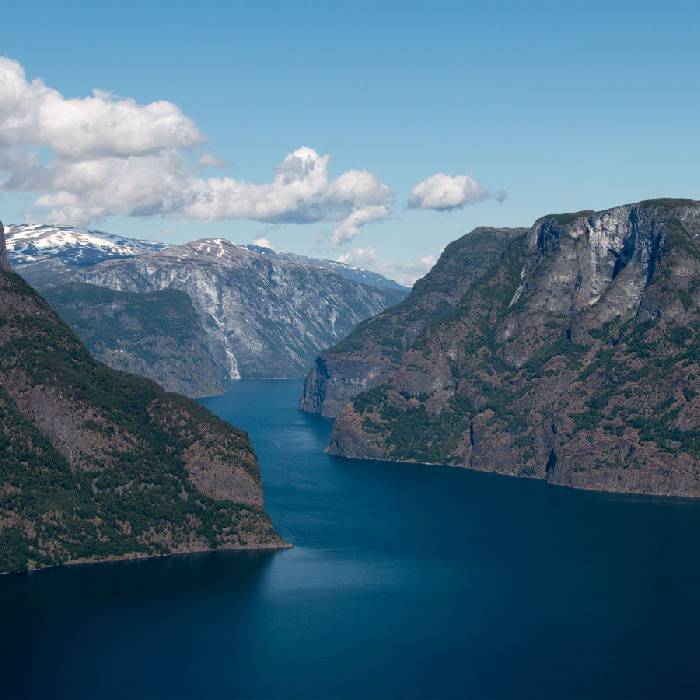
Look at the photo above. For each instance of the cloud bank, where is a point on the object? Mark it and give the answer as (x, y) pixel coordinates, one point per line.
(443, 192)
(92, 157)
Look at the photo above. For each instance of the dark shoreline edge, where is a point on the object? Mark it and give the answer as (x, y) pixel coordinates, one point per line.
(135, 557)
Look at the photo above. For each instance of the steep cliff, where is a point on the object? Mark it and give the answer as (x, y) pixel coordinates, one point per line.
(98, 464)
(267, 313)
(574, 358)
(232, 310)
(157, 335)
(373, 351)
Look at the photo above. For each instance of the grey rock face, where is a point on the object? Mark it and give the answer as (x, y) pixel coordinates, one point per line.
(573, 358)
(268, 315)
(257, 312)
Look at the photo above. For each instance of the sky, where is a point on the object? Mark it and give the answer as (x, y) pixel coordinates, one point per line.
(372, 132)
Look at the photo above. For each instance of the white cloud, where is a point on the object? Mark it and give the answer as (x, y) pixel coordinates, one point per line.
(263, 243)
(209, 160)
(301, 192)
(405, 273)
(446, 192)
(87, 158)
(100, 125)
(349, 227)
(80, 191)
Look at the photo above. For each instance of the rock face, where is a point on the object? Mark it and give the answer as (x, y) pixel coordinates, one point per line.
(98, 464)
(573, 357)
(266, 313)
(157, 335)
(349, 272)
(257, 312)
(373, 351)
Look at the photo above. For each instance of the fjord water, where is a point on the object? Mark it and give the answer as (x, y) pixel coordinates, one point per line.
(406, 581)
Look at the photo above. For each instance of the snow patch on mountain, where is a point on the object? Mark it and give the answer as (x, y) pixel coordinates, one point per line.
(72, 245)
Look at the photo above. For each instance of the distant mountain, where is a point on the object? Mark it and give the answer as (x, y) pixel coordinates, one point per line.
(571, 353)
(43, 253)
(268, 313)
(356, 274)
(257, 312)
(97, 464)
(158, 335)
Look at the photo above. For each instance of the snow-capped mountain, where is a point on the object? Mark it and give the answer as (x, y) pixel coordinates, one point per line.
(267, 312)
(258, 312)
(43, 252)
(29, 244)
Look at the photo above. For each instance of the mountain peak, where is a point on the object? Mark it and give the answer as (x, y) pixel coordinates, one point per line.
(74, 245)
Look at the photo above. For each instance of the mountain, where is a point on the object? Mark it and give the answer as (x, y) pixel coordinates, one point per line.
(97, 464)
(267, 313)
(356, 274)
(44, 253)
(369, 355)
(41, 253)
(235, 310)
(157, 335)
(573, 357)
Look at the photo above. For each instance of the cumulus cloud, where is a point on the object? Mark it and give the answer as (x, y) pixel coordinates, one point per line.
(404, 272)
(263, 243)
(349, 227)
(87, 158)
(301, 192)
(99, 125)
(444, 192)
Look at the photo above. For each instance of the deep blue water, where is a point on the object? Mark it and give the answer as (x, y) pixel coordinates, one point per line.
(405, 582)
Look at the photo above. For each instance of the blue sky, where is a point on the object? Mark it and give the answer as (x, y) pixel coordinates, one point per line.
(564, 106)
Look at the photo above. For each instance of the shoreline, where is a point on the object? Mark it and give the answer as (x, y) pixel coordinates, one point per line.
(137, 556)
(572, 487)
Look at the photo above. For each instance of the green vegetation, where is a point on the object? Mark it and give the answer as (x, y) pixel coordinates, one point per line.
(157, 334)
(569, 218)
(130, 493)
(667, 202)
(632, 378)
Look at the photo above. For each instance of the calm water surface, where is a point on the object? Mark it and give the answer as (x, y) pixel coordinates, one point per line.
(405, 582)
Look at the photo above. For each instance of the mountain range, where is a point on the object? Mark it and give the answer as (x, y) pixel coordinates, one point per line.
(192, 316)
(568, 351)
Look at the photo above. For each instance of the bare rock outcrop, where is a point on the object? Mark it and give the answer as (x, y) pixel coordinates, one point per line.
(574, 357)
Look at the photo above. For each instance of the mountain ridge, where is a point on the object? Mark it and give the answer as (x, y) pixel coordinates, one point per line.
(270, 315)
(573, 357)
(245, 310)
(368, 356)
(32, 245)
